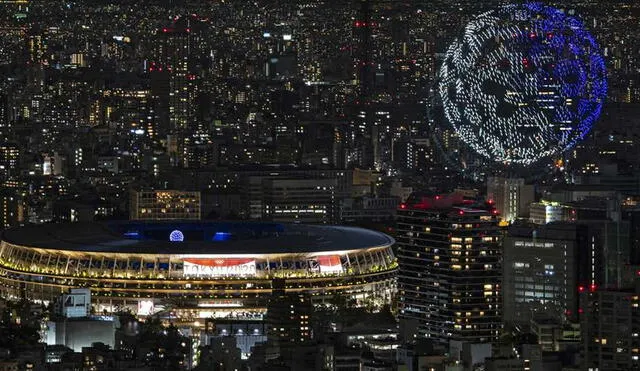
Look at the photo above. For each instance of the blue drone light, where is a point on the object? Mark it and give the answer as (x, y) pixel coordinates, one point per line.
(523, 83)
(176, 236)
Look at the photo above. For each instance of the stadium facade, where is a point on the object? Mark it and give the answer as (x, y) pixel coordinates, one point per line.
(199, 269)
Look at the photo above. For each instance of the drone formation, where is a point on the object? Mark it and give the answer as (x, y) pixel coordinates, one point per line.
(523, 83)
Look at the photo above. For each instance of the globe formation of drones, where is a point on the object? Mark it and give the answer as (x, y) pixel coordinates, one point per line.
(523, 83)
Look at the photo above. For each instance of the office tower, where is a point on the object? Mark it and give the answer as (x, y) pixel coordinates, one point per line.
(4, 110)
(9, 159)
(164, 205)
(611, 328)
(12, 208)
(363, 27)
(511, 197)
(541, 271)
(544, 212)
(174, 52)
(55, 164)
(293, 199)
(288, 316)
(449, 268)
(364, 146)
(33, 105)
(608, 252)
(633, 216)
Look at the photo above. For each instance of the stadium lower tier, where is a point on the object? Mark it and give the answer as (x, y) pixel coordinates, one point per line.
(202, 285)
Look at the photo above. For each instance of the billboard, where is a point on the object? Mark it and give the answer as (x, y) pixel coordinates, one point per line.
(219, 267)
(329, 263)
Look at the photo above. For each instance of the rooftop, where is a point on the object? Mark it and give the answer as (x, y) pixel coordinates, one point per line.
(198, 237)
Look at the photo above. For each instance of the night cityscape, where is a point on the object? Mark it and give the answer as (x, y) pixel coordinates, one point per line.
(348, 185)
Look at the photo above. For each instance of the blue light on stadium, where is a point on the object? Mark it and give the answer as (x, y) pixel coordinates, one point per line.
(222, 236)
(176, 236)
(523, 83)
(132, 234)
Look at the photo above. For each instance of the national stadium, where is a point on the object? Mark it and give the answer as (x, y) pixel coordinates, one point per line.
(204, 269)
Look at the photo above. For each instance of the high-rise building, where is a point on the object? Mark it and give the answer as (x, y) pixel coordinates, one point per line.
(611, 328)
(293, 199)
(55, 164)
(164, 205)
(174, 53)
(633, 216)
(541, 271)
(9, 159)
(450, 275)
(288, 316)
(12, 208)
(544, 212)
(4, 110)
(511, 196)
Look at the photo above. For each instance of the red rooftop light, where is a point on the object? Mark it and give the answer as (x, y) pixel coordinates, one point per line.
(580, 288)
(593, 287)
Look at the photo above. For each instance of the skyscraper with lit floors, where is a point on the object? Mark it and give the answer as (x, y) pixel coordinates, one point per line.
(450, 275)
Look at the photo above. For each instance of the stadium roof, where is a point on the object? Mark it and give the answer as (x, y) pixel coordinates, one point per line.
(200, 237)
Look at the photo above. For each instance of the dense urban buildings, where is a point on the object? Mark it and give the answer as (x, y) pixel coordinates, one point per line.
(319, 185)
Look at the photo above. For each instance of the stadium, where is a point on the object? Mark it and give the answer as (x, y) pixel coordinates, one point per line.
(198, 269)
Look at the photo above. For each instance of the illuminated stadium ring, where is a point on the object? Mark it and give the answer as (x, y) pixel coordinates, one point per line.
(523, 83)
(218, 266)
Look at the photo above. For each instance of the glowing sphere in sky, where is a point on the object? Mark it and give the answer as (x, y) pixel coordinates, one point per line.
(523, 83)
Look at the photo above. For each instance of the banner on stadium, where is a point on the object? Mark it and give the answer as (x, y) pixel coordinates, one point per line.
(219, 267)
(327, 264)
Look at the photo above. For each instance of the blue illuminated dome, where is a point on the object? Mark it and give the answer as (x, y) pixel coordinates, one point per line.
(523, 83)
(176, 236)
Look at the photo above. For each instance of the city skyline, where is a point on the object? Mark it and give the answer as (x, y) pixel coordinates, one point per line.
(366, 185)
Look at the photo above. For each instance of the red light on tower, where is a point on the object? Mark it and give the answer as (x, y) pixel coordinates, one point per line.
(593, 288)
(580, 288)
